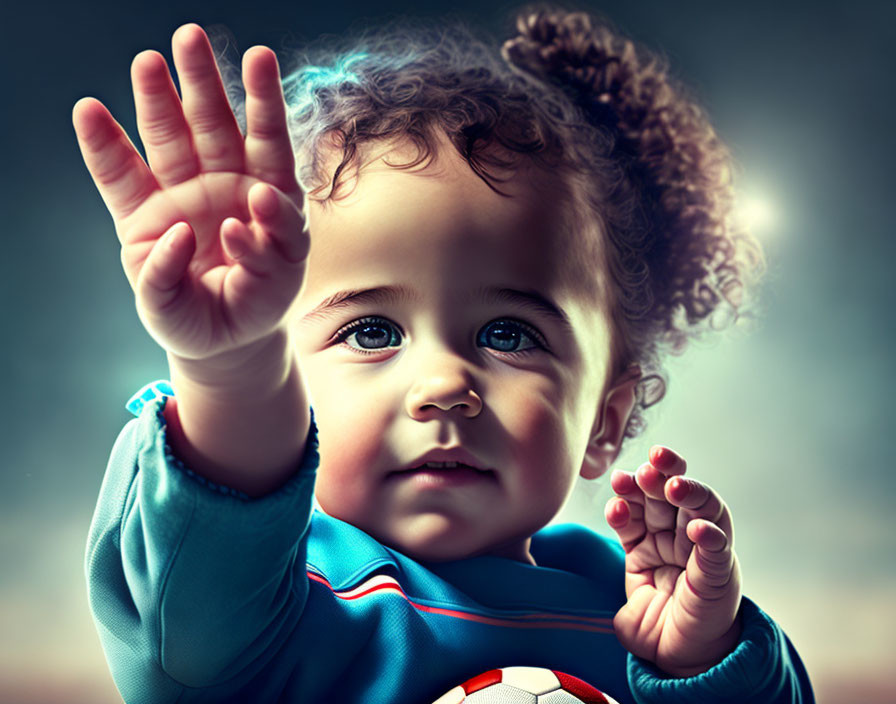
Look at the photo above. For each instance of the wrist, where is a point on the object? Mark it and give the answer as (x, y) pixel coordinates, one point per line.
(254, 370)
(710, 653)
(240, 421)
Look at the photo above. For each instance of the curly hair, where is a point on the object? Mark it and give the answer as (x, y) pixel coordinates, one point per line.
(572, 95)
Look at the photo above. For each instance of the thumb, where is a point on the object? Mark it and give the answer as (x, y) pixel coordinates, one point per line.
(161, 277)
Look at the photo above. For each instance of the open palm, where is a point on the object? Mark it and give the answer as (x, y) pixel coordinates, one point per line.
(211, 230)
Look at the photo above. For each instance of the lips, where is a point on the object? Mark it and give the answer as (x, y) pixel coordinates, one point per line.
(436, 476)
(445, 469)
(447, 465)
(446, 459)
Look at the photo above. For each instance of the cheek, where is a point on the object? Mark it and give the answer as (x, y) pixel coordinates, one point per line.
(540, 428)
(351, 423)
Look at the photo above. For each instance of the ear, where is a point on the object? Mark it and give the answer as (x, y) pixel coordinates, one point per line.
(609, 426)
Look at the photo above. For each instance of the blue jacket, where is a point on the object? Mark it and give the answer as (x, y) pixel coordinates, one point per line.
(202, 595)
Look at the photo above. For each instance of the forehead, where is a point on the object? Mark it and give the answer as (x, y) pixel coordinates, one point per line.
(439, 227)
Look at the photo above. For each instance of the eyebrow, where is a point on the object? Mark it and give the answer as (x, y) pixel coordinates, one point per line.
(530, 300)
(353, 297)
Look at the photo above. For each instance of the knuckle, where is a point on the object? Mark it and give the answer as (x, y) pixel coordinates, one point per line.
(197, 68)
(265, 126)
(214, 148)
(176, 171)
(112, 167)
(130, 194)
(206, 122)
(160, 131)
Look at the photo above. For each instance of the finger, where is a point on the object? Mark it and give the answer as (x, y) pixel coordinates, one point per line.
(215, 133)
(160, 120)
(659, 514)
(119, 172)
(274, 240)
(651, 481)
(269, 154)
(623, 520)
(711, 565)
(696, 497)
(160, 280)
(270, 255)
(697, 500)
(278, 217)
(239, 244)
(624, 484)
(667, 461)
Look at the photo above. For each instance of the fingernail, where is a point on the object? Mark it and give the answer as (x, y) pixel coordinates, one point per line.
(660, 456)
(679, 483)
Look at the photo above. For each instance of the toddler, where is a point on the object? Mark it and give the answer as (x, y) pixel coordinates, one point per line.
(476, 312)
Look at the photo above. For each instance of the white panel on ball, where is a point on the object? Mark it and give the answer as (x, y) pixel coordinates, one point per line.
(501, 694)
(537, 680)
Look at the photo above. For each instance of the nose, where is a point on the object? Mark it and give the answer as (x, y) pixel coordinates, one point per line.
(443, 387)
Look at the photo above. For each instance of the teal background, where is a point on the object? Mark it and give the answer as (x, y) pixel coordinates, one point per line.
(790, 421)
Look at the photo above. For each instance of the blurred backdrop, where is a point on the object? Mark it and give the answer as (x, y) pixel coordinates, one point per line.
(789, 421)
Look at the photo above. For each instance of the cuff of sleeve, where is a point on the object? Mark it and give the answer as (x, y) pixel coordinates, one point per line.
(167, 487)
(752, 672)
(150, 400)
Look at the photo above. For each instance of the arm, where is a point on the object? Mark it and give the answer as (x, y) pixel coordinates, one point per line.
(214, 247)
(190, 586)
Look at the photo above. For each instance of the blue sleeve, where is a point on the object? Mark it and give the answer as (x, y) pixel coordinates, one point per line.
(190, 582)
(764, 668)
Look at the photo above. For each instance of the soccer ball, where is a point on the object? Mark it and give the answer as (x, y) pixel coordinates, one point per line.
(524, 685)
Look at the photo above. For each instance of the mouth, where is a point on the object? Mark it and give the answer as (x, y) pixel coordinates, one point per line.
(446, 459)
(443, 474)
(427, 477)
(445, 469)
(444, 466)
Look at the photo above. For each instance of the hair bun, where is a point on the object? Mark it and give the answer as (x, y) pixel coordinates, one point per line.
(595, 67)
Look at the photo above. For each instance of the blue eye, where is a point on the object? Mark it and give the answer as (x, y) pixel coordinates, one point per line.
(369, 334)
(507, 335)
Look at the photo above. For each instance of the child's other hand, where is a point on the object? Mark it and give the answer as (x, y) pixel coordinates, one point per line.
(682, 577)
(211, 229)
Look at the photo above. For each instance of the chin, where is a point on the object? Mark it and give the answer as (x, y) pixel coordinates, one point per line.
(434, 553)
(435, 538)
(438, 550)
(432, 538)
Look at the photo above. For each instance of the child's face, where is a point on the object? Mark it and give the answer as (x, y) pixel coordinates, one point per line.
(444, 359)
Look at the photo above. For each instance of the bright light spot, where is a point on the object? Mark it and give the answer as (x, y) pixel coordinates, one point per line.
(756, 214)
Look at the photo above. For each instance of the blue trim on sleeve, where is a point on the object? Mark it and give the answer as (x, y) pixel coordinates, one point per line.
(160, 388)
(155, 395)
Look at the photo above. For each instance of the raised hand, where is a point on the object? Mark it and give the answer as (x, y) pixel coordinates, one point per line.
(682, 577)
(211, 230)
